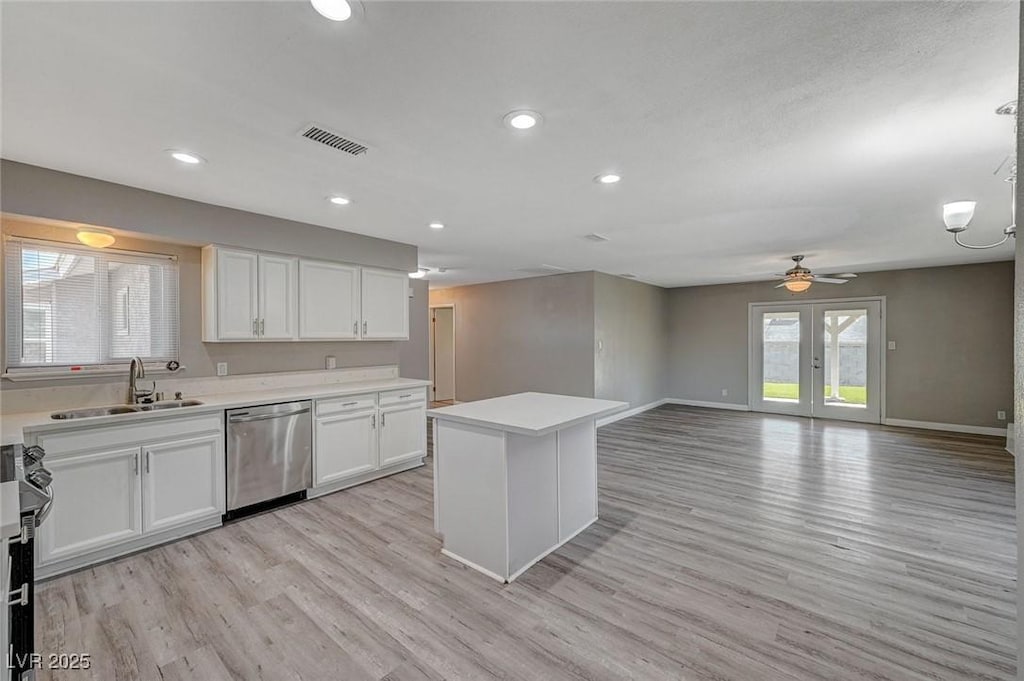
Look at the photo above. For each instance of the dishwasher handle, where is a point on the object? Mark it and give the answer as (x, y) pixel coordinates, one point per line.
(261, 417)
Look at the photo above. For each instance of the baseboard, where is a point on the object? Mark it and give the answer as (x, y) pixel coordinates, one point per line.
(708, 405)
(949, 427)
(629, 412)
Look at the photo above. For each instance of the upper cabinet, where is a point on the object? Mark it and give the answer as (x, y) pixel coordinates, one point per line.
(385, 305)
(328, 301)
(251, 296)
(248, 296)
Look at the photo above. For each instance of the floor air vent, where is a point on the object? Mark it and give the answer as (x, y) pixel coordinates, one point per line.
(333, 140)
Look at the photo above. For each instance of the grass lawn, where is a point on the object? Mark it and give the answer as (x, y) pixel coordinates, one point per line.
(853, 394)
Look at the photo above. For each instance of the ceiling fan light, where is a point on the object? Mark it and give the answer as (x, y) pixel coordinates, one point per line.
(957, 215)
(797, 285)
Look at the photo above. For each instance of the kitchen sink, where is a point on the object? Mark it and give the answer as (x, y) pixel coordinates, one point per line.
(121, 409)
(169, 404)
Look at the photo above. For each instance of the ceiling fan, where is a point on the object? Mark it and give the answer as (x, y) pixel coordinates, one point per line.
(798, 278)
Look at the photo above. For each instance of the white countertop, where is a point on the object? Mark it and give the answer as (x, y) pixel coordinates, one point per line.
(14, 427)
(10, 510)
(529, 413)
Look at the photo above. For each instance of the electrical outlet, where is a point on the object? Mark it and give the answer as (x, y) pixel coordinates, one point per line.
(222, 368)
(332, 362)
(1001, 415)
(725, 392)
(892, 345)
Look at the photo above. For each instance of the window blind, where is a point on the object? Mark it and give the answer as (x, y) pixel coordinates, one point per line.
(68, 306)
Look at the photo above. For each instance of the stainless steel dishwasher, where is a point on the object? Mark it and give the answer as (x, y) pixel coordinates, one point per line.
(269, 455)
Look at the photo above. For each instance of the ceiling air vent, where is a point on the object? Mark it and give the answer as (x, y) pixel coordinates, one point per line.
(542, 269)
(594, 236)
(333, 140)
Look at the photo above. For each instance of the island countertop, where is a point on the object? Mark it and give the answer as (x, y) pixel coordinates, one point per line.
(529, 413)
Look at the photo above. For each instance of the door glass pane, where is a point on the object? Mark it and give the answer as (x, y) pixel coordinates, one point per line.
(781, 360)
(846, 358)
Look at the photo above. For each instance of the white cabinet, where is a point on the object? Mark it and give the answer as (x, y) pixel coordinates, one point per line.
(97, 503)
(278, 293)
(235, 279)
(328, 301)
(249, 296)
(183, 481)
(385, 304)
(346, 445)
(403, 433)
(359, 435)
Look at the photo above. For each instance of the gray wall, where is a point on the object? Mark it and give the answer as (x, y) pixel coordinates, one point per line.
(39, 192)
(532, 334)
(413, 355)
(631, 340)
(952, 325)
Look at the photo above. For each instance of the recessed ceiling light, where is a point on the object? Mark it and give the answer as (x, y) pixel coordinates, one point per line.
(419, 273)
(608, 178)
(436, 225)
(186, 157)
(335, 10)
(339, 200)
(522, 119)
(95, 238)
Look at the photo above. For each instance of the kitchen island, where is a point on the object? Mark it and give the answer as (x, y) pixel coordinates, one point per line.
(515, 477)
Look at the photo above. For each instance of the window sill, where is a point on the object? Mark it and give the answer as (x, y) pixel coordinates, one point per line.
(67, 373)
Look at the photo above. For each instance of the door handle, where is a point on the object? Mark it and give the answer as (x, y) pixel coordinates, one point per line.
(263, 327)
(364, 328)
(355, 328)
(816, 363)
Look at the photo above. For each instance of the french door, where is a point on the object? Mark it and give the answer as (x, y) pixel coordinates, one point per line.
(820, 359)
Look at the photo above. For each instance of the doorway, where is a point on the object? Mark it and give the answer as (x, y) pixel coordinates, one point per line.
(442, 355)
(821, 359)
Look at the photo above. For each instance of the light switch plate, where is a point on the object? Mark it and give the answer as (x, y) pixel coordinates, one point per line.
(222, 368)
(332, 362)
(1001, 415)
(892, 345)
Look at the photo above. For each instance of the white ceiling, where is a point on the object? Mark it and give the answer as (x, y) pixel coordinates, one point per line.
(745, 132)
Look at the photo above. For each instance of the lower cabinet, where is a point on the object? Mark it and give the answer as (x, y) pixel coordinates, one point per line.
(346, 445)
(97, 503)
(403, 433)
(358, 435)
(182, 482)
(117, 489)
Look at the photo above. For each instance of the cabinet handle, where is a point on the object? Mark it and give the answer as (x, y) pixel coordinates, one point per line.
(382, 422)
(135, 468)
(263, 327)
(19, 596)
(147, 462)
(402, 397)
(364, 328)
(373, 421)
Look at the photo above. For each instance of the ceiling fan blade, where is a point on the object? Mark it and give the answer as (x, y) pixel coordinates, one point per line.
(780, 285)
(842, 275)
(830, 280)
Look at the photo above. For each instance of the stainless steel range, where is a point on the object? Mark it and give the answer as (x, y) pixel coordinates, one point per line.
(35, 495)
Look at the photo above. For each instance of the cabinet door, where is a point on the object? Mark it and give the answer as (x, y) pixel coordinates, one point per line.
(237, 295)
(385, 305)
(403, 433)
(346, 445)
(183, 482)
(328, 300)
(278, 294)
(96, 503)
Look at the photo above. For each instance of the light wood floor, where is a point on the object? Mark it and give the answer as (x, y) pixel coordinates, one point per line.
(730, 546)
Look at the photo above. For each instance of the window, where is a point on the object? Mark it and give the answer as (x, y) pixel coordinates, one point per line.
(72, 306)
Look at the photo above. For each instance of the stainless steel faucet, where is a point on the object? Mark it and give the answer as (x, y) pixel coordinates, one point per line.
(136, 371)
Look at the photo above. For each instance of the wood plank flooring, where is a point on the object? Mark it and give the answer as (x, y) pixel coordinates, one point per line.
(730, 546)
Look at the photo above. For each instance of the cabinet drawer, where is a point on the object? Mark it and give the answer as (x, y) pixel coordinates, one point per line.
(338, 405)
(402, 396)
